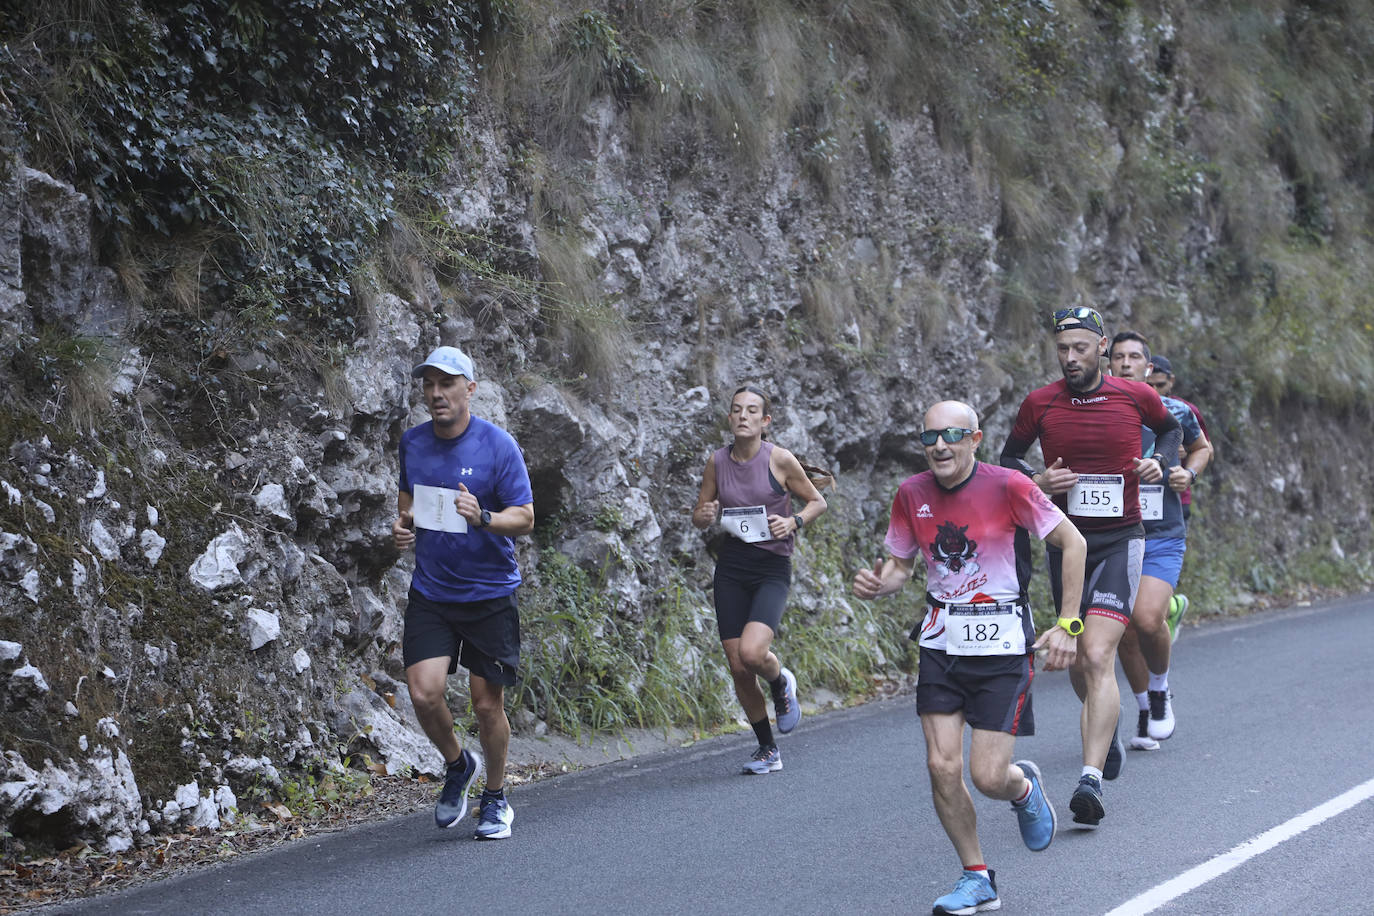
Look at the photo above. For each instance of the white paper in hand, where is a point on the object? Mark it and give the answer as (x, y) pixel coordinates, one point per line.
(435, 510)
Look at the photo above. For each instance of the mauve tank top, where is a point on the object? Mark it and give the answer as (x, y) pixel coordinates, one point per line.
(750, 483)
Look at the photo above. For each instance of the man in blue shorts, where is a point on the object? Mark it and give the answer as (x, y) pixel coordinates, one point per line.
(1145, 648)
(971, 523)
(464, 496)
(1162, 379)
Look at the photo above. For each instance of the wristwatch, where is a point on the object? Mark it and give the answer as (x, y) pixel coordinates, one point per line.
(1192, 480)
(1072, 625)
(798, 519)
(486, 518)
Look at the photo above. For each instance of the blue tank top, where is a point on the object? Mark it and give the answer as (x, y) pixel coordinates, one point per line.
(751, 483)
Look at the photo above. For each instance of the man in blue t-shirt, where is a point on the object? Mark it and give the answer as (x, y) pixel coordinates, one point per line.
(1144, 650)
(464, 496)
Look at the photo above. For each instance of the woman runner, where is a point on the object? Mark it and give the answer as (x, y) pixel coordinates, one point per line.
(749, 486)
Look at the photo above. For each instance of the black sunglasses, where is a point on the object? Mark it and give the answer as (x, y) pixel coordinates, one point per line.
(1082, 313)
(950, 434)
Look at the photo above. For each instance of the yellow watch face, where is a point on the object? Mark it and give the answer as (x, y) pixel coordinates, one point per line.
(1073, 625)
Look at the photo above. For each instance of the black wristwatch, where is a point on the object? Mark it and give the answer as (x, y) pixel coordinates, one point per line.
(799, 520)
(486, 518)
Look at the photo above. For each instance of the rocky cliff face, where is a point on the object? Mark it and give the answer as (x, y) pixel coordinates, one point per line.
(198, 594)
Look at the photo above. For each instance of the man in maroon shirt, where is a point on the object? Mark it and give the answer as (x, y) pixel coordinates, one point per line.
(1088, 425)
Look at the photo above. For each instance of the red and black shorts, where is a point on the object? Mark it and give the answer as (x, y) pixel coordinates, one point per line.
(992, 691)
(1111, 573)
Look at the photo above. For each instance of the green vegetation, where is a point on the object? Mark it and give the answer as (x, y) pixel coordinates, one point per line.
(588, 663)
(273, 140)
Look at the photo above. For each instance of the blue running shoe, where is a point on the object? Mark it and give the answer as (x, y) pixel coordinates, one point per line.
(765, 760)
(495, 818)
(974, 892)
(1086, 803)
(1116, 753)
(453, 800)
(1036, 816)
(785, 705)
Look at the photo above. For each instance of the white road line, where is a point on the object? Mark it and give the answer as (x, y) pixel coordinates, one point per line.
(1193, 878)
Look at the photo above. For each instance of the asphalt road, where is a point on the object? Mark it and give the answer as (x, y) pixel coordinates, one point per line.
(1274, 716)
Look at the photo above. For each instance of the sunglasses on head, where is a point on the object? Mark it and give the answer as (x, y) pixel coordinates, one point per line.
(950, 434)
(1081, 313)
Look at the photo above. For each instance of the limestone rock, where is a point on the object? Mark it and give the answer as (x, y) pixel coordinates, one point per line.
(261, 627)
(95, 800)
(103, 542)
(271, 501)
(218, 566)
(401, 745)
(152, 544)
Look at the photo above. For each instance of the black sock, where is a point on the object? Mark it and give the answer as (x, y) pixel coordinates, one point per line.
(499, 793)
(764, 731)
(778, 685)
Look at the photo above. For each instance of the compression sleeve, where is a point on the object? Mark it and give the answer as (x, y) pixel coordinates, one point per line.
(1014, 456)
(1167, 445)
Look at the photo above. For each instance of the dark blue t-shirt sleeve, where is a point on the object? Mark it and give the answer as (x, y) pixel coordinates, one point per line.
(513, 483)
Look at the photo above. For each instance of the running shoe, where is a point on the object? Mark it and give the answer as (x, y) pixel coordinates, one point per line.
(1178, 606)
(1036, 815)
(1161, 714)
(458, 780)
(1142, 740)
(765, 760)
(495, 819)
(974, 892)
(1086, 803)
(1116, 753)
(785, 705)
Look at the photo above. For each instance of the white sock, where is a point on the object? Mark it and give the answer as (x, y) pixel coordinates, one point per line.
(1159, 681)
(1094, 772)
(1142, 700)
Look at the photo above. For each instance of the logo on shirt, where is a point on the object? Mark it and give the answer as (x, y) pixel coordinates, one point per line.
(465, 472)
(953, 550)
(924, 511)
(1080, 402)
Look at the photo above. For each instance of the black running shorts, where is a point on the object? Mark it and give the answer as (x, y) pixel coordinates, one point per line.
(751, 585)
(484, 636)
(1111, 573)
(992, 691)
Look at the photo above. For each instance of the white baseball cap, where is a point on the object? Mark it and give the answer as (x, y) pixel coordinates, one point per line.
(446, 359)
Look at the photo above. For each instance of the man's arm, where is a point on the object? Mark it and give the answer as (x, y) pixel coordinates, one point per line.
(1062, 648)
(403, 529)
(1196, 458)
(884, 578)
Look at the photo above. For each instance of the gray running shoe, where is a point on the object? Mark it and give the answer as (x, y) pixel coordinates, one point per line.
(495, 819)
(1116, 753)
(1086, 803)
(765, 760)
(785, 705)
(458, 780)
